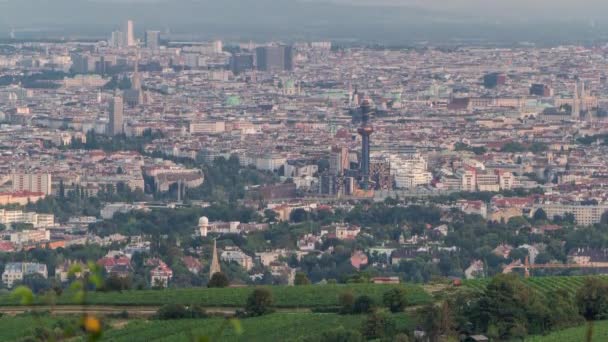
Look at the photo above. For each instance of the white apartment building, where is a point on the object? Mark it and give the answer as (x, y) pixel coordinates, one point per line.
(15, 271)
(266, 162)
(30, 236)
(237, 256)
(211, 127)
(410, 172)
(584, 214)
(8, 217)
(32, 182)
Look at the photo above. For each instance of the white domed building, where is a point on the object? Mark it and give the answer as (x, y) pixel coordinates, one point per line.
(203, 226)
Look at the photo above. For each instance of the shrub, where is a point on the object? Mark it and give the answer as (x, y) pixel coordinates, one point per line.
(218, 279)
(395, 300)
(301, 279)
(347, 303)
(259, 302)
(363, 304)
(178, 311)
(592, 299)
(378, 325)
(171, 311)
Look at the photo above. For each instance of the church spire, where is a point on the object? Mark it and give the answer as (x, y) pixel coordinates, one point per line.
(215, 264)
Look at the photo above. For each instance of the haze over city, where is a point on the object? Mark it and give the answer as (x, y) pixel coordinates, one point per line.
(394, 21)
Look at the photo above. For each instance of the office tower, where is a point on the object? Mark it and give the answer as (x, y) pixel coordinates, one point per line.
(118, 39)
(240, 62)
(288, 58)
(116, 116)
(153, 40)
(80, 64)
(338, 161)
(32, 182)
(218, 46)
(365, 131)
(130, 34)
(494, 80)
(274, 58)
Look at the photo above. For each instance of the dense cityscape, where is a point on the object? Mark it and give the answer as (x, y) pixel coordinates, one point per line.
(421, 193)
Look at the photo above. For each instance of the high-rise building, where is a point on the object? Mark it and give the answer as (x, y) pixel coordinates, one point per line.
(32, 182)
(153, 40)
(80, 63)
(130, 34)
(494, 80)
(338, 160)
(365, 131)
(116, 116)
(118, 39)
(240, 62)
(274, 58)
(218, 46)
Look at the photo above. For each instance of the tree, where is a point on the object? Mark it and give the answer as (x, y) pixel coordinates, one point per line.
(36, 282)
(218, 279)
(363, 304)
(395, 299)
(430, 321)
(299, 215)
(116, 283)
(301, 279)
(270, 215)
(540, 215)
(592, 299)
(378, 325)
(259, 302)
(347, 303)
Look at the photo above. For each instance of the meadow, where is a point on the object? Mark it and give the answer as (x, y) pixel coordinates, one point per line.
(576, 334)
(274, 327)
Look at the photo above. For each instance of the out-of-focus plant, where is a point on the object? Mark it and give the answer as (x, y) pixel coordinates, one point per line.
(87, 278)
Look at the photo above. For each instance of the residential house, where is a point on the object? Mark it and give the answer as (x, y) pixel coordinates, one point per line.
(589, 256)
(347, 232)
(192, 264)
(358, 259)
(119, 266)
(234, 254)
(475, 270)
(76, 268)
(161, 275)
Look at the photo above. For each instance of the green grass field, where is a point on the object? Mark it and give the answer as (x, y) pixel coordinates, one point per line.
(274, 327)
(19, 327)
(542, 285)
(577, 334)
(312, 296)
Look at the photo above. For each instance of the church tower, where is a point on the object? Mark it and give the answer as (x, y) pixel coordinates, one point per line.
(215, 263)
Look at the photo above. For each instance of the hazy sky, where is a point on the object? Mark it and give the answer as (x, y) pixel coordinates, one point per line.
(373, 19)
